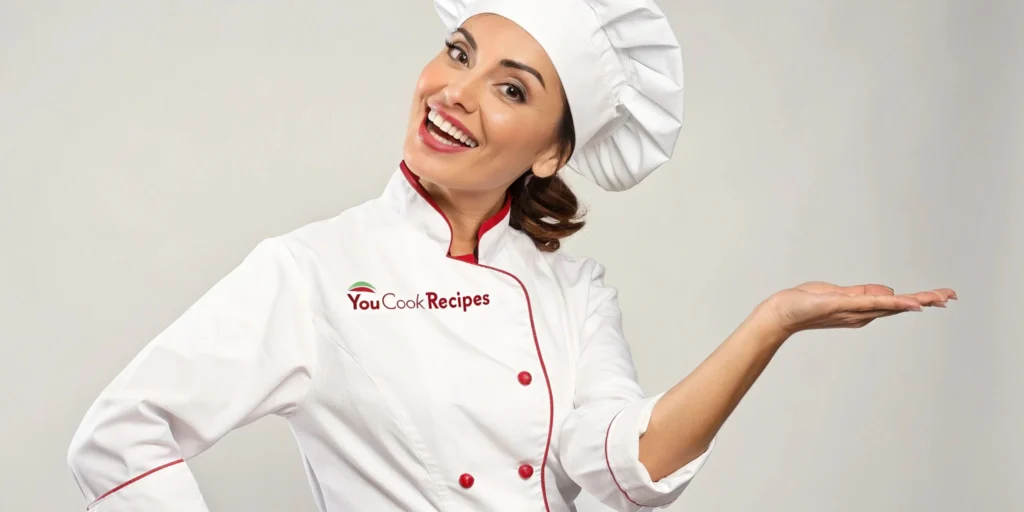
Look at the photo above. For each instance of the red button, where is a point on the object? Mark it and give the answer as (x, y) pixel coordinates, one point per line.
(466, 480)
(525, 471)
(525, 378)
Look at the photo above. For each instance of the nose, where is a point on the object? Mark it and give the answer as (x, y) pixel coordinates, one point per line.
(463, 92)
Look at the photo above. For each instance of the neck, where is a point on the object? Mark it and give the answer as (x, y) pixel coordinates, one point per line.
(466, 212)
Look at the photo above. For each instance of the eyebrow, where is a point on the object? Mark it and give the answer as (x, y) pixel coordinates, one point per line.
(519, 65)
(469, 37)
(504, 62)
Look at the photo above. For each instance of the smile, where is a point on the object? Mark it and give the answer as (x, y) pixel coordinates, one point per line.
(445, 132)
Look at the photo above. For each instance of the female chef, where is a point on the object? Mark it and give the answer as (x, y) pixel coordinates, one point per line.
(432, 349)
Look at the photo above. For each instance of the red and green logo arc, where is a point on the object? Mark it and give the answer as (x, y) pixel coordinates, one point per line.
(362, 287)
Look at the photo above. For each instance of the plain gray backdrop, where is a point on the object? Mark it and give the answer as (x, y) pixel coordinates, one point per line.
(146, 146)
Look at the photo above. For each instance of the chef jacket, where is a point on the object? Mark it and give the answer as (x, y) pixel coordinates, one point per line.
(412, 380)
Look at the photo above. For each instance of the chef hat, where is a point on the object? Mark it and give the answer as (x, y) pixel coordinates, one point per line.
(622, 71)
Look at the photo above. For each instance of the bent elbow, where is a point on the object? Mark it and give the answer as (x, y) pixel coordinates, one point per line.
(99, 439)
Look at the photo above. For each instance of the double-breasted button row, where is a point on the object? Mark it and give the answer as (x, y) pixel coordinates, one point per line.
(466, 480)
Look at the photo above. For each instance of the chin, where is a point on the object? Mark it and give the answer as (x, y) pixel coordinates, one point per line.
(466, 169)
(427, 166)
(448, 175)
(445, 170)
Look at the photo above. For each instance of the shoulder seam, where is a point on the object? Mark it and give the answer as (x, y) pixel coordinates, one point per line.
(305, 288)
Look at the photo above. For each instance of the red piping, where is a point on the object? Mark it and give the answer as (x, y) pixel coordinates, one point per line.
(547, 382)
(487, 225)
(608, 461)
(132, 481)
(494, 220)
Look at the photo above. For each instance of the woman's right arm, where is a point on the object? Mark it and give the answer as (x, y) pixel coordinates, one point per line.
(244, 350)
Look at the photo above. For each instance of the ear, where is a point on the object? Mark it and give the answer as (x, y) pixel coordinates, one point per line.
(548, 162)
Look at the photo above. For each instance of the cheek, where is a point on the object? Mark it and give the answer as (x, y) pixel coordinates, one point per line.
(514, 140)
(427, 84)
(509, 130)
(431, 79)
(516, 136)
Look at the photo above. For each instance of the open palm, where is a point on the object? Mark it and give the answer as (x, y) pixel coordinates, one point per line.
(821, 305)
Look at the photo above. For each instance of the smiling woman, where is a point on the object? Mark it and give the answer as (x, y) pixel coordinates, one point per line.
(495, 85)
(483, 369)
(488, 107)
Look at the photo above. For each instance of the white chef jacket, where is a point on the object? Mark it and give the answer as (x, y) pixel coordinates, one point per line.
(412, 380)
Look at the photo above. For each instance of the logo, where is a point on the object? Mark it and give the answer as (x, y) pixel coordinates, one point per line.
(362, 286)
(364, 296)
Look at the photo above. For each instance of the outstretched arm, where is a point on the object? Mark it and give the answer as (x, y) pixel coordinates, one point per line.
(687, 417)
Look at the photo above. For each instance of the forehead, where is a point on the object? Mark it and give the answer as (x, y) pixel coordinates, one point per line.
(500, 38)
(498, 27)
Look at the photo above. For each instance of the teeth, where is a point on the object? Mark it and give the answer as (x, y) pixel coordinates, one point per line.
(450, 129)
(444, 141)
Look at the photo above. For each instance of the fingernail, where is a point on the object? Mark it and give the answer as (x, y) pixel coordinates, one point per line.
(916, 308)
(939, 304)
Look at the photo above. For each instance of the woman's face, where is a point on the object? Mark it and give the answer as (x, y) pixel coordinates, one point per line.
(486, 109)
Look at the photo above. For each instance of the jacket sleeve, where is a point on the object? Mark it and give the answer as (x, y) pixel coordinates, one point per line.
(244, 350)
(600, 440)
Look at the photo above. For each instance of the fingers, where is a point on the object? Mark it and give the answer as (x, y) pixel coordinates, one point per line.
(858, 320)
(857, 306)
(875, 313)
(936, 298)
(818, 287)
(860, 289)
(865, 303)
(925, 297)
(867, 289)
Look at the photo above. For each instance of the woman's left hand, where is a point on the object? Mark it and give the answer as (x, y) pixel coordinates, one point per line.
(820, 305)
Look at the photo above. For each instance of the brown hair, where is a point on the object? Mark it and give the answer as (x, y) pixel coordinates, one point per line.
(546, 209)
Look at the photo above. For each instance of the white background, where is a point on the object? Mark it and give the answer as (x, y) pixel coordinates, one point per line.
(146, 146)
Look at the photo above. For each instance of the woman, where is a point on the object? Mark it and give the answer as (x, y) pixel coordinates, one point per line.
(433, 349)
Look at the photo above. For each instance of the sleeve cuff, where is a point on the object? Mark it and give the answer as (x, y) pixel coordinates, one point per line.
(622, 453)
(171, 488)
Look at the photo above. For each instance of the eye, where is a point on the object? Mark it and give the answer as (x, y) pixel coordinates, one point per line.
(514, 92)
(455, 53)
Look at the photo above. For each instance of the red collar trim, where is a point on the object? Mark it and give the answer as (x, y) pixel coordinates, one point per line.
(487, 225)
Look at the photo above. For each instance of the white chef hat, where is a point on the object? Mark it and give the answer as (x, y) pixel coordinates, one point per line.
(622, 71)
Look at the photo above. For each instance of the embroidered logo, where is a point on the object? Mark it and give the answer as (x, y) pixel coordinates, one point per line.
(362, 287)
(364, 296)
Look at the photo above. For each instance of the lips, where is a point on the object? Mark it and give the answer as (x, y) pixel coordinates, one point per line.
(431, 137)
(444, 125)
(447, 129)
